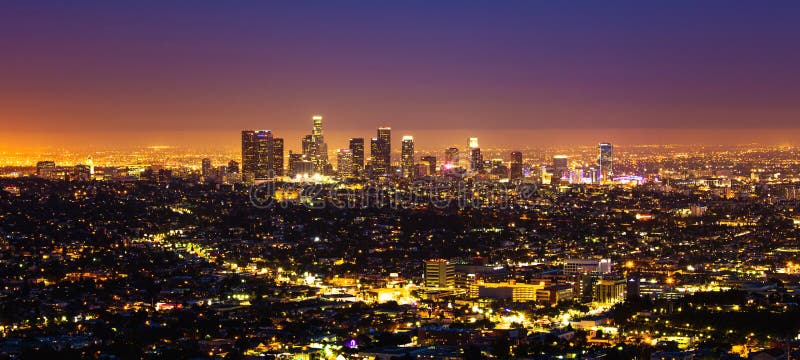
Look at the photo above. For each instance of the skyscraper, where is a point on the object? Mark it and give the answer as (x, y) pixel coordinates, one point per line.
(451, 156)
(318, 149)
(316, 130)
(357, 147)
(276, 162)
(430, 161)
(307, 145)
(377, 151)
(407, 156)
(516, 165)
(299, 165)
(605, 160)
(249, 155)
(344, 162)
(262, 154)
(475, 158)
(560, 166)
(385, 133)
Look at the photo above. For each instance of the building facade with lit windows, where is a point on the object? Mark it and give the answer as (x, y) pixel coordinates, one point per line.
(605, 161)
(440, 274)
(407, 156)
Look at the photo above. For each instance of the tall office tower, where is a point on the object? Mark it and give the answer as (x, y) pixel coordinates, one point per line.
(276, 164)
(606, 161)
(516, 165)
(344, 162)
(316, 130)
(430, 162)
(318, 148)
(516, 157)
(299, 164)
(264, 150)
(258, 154)
(451, 157)
(385, 134)
(233, 167)
(293, 163)
(206, 167)
(475, 158)
(357, 147)
(560, 167)
(377, 153)
(308, 144)
(407, 156)
(249, 156)
(439, 274)
(473, 143)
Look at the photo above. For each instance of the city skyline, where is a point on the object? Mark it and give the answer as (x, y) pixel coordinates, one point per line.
(399, 180)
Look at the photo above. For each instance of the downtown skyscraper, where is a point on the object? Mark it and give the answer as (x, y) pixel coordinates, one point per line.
(357, 147)
(516, 165)
(407, 156)
(262, 154)
(605, 160)
(475, 158)
(317, 149)
(381, 151)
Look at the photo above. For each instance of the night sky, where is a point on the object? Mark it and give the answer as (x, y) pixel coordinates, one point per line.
(118, 68)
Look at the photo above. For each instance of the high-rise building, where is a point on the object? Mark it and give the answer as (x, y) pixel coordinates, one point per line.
(496, 167)
(385, 134)
(560, 166)
(439, 274)
(430, 162)
(299, 165)
(407, 156)
(377, 152)
(206, 167)
(357, 147)
(316, 130)
(308, 144)
(249, 155)
(344, 162)
(451, 156)
(475, 158)
(262, 154)
(276, 163)
(516, 165)
(605, 160)
(318, 149)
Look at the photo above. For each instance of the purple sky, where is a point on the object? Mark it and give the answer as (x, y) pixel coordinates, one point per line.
(117, 67)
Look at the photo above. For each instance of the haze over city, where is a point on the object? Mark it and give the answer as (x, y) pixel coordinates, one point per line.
(112, 74)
